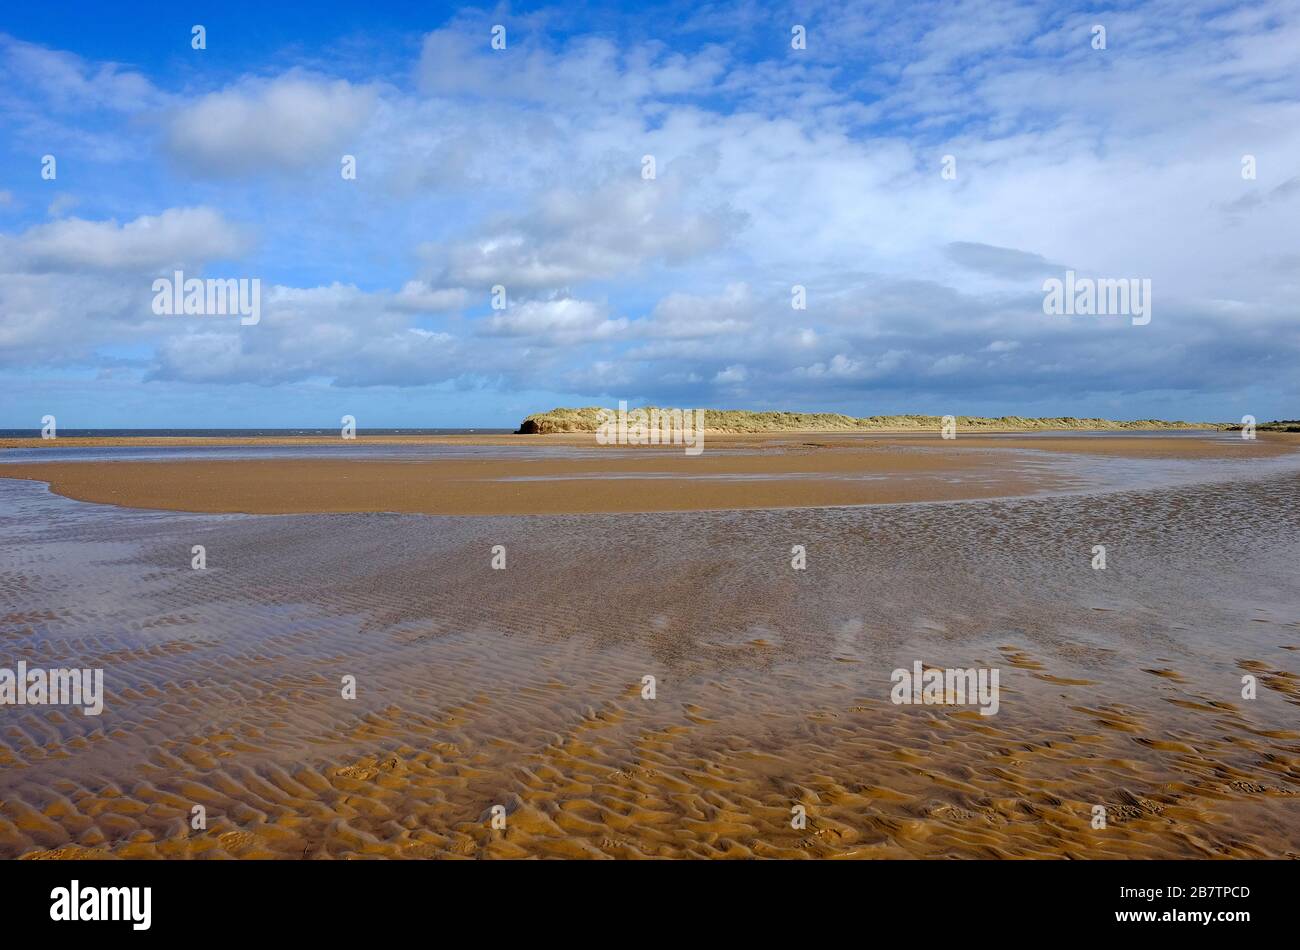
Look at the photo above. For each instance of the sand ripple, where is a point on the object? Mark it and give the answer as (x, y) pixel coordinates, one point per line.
(522, 688)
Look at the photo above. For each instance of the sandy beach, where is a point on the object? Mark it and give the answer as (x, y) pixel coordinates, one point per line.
(776, 470)
(719, 432)
(523, 687)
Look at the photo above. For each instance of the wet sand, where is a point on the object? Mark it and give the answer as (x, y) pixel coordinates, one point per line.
(1134, 441)
(522, 687)
(744, 472)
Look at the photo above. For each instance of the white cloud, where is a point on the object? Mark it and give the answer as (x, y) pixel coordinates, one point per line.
(417, 296)
(523, 168)
(565, 320)
(335, 332)
(257, 126)
(842, 366)
(589, 72)
(680, 315)
(178, 236)
(66, 81)
(571, 236)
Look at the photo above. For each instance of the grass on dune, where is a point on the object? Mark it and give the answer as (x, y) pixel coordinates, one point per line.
(587, 419)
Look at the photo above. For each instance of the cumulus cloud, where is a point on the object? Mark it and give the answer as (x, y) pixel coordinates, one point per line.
(335, 332)
(178, 236)
(842, 366)
(561, 321)
(522, 168)
(58, 318)
(570, 236)
(680, 315)
(257, 126)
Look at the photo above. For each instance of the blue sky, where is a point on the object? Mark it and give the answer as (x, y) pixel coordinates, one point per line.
(523, 167)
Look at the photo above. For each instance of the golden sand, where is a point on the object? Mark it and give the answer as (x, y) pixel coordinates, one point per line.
(522, 688)
(737, 472)
(1137, 443)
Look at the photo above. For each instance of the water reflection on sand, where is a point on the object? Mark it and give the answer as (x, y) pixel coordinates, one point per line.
(523, 687)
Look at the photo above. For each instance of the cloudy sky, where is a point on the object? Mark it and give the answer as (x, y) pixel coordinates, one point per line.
(524, 167)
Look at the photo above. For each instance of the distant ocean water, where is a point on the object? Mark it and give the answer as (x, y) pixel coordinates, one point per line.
(231, 433)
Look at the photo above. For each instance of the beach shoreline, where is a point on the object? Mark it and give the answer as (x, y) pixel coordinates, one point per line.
(751, 471)
(523, 687)
(714, 437)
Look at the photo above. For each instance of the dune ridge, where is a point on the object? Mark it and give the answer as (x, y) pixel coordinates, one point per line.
(587, 419)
